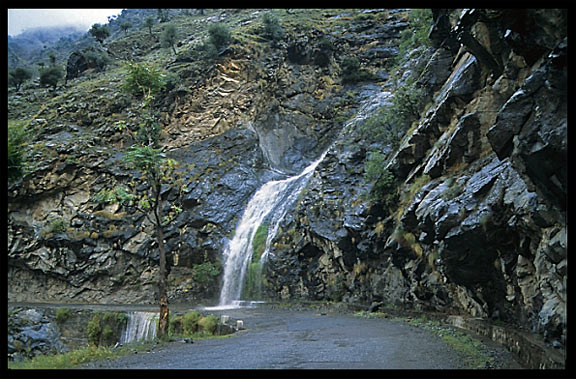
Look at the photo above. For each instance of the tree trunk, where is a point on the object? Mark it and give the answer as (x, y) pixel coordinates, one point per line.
(164, 320)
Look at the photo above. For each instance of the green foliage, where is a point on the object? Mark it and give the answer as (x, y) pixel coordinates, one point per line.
(67, 360)
(57, 225)
(99, 32)
(49, 77)
(94, 330)
(143, 79)
(18, 76)
(63, 314)
(415, 35)
(384, 187)
(253, 281)
(190, 323)
(169, 37)
(352, 73)
(378, 128)
(205, 273)
(105, 328)
(259, 242)
(149, 23)
(407, 102)
(147, 160)
(208, 324)
(18, 136)
(272, 29)
(389, 124)
(97, 59)
(219, 36)
(125, 26)
(117, 195)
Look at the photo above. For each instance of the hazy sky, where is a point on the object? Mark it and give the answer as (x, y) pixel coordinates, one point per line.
(21, 19)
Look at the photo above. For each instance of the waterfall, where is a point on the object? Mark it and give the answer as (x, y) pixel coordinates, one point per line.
(141, 326)
(274, 198)
(271, 202)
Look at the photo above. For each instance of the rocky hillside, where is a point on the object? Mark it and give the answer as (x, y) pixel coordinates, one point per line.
(262, 107)
(478, 226)
(449, 194)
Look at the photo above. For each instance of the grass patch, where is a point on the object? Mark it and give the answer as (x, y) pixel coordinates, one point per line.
(474, 353)
(79, 357)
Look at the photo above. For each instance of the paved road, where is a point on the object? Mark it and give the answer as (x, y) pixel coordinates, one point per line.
(293, 340)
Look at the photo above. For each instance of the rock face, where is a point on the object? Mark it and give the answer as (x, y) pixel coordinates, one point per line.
(251, 115)
(480, 228)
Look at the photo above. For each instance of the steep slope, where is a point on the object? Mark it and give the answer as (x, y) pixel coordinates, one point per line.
(478, 226)
(467, 212)
(261, 108)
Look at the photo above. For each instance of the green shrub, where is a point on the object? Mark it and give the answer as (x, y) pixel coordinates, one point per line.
(415, 35)
(49, 77)
(389, 124)
(219, 36)
(175, 327)
(206, 272)
(142, 79)
(94, 330)
(18, 76)
(384, 187)
(18, 135)
(190, 323)
(57, 225)
(98, 59)
(272, 29)
(63, 314)
(208, 324)
(105, 328)
(352, 73)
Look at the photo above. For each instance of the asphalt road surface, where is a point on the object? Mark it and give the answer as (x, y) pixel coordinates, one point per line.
(276, 339)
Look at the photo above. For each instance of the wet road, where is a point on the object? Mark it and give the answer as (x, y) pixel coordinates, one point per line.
(276, 339)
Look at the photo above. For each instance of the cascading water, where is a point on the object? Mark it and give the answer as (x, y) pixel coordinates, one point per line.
(274, 198)
(271, 202)
(141, 326)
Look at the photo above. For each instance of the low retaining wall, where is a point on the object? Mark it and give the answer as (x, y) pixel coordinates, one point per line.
(530, 352)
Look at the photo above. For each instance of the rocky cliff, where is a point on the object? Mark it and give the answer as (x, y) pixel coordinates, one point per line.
(479, 226)
(260, 110)
(475, 221)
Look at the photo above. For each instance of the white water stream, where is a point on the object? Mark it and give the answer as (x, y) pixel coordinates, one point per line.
(274, 198)
(141, 326)
(271, 201)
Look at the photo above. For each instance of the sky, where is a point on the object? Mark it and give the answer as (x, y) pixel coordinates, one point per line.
(22, 19)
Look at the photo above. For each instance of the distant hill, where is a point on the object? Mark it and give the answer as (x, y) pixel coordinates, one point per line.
(33, 45)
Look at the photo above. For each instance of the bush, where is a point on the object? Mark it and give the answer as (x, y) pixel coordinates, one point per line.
(18, 76)
(105, 328)
(220, 36)
(190, 323)
(94, 330)
(415, 35)
(206, 272)
(352, 73)
(390, 123)
(57, 225)
(63, 314)
(49, 77)
(18, 135)
(169, 37)
(97, 59)
(272, 29)
(208, 324)
(384, 187)
(143, 78)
